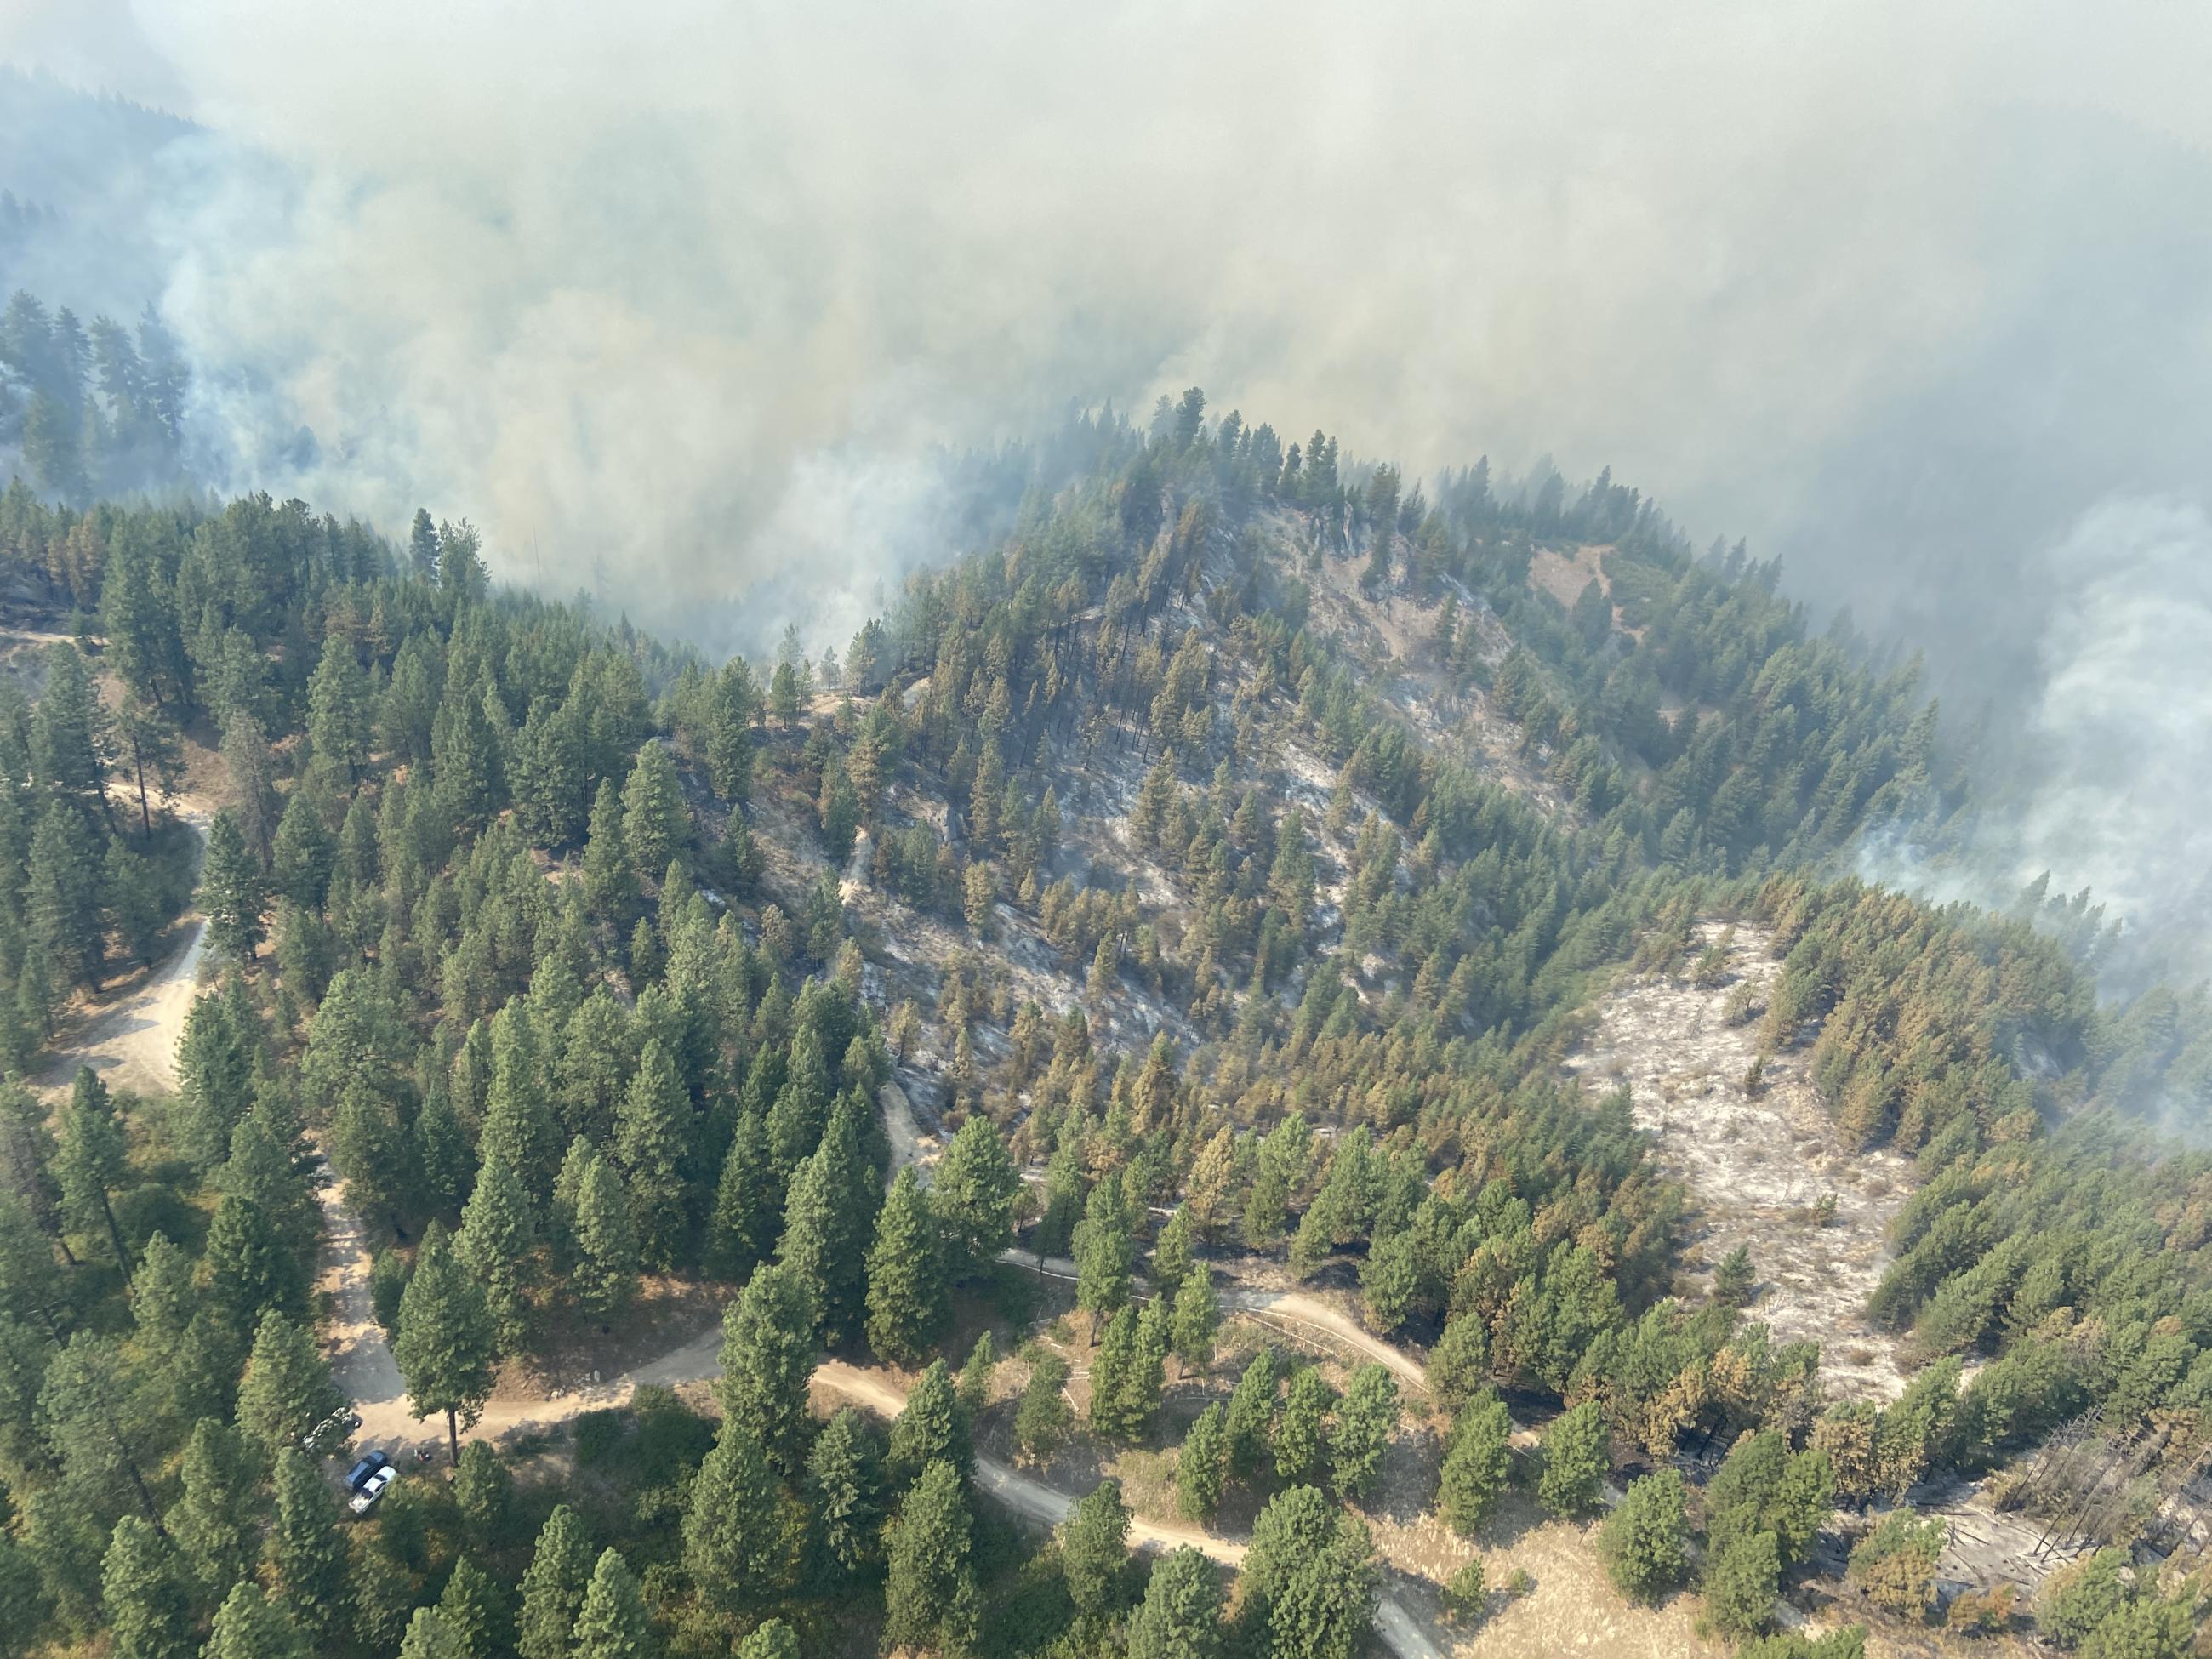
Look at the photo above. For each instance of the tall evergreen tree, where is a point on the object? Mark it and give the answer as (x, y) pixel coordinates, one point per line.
(907, 1307)
(653, 1152)
(1102, 1254)
(613, 1623)
(287, 1389)
(1181, 1615)
(930, 1600)
(604, 1272)
(972, 1188)
(149, 1614)
(829, 1225)
(656, 823)
(932, 1429)
(498, 1245)
(1094, 1548)
(231, 891)
(748, 1203)
(213, 1523)
(553, 1588)
(307, 1549)
(768, 1359)
(92, 1162)
(844, 1487)
(731, 1529)
(248, 1626)
(447, 1339)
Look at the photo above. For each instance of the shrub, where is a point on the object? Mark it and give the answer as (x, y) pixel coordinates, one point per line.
(1468, 1592)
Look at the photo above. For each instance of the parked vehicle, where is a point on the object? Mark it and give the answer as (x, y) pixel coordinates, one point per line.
(359, 1475)
(374, 1488)
(331, 1431)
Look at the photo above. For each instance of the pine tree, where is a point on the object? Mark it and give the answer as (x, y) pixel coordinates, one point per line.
(929, 1599)
(614, 1623)
(1041, 1415)
(553, 1588)
(518, 1127)
(442, 1155)
(231, 893)
(61, 896)
(447, 1339)
(1298, 1445)
(774, 1640)
(1094, 1548)
(1645, 1540)
(844, 1486)
(1252, 1414)
(131, 898)
(286, 1389)
(475, 1609)
(1181, 1615)
(247, 1626)
(309, 1551)
(1575, 1458)
(1477, 1467)
(497, 1243)
(604, 1273)
(92, 1162)
(1197, 1316)
(1202, 1464)
(731, 1529)
(429, 1637)
(973, 1189)
(305, 853)
(1365, 1423)
(652, 1149)
(337, 708)
(1459, 1366)
(748, 1203)
(829, 1222)
(1171, 1253)
(907, 1307)
(1309, 1577)
(656, 823)
(141, 1583)
(610, 877)
(484, 1492)
(212, 1524)
(162, 1294)
(931, 1430)
(767, 1358)
(1102, 1254)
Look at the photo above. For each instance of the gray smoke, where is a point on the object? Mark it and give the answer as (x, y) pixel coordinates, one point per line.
(674, 299)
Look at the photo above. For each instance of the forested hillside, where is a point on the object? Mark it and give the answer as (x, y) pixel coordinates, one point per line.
(1226, 857)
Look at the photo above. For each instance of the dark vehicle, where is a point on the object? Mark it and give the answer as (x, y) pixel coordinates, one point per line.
(357, 1476)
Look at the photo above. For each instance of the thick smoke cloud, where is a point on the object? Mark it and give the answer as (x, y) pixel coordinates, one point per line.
(672, 299)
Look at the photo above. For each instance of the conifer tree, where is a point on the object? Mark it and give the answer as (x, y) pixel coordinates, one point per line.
(930, 1600)
(907, 1307)
(1309, 1577)
(731, 1530)
(1252, 1414)
(1202, 1464)
(1298, 1445)
(429, 1637)
(338, 710)
(973, 1189)
(61, 895)
(1574, 1461)
(1102, 1254)
(768, 1358)
(484, 1492)
(212, 1524)
(613, 1623)
(1180, 1617)
(828, 1225)
(247, 1626)
(498, 1245)
(553, 1588)
(142, 1586)
(844, 1486)
(130, 896)
(1645, 1540)
(92, 1162)
(231, 893)
(518, 1127)
(306, 1548)
(447, 1339)
(475, 1609)
(1476, 1468)
(1171, 1253)
(1094, 1548)
(287, 1389)
(1196, 1317)
(1365, 1422)
(656, 823)
(931, 1429)
(163, 1297)
(604, 1272)
(610, 877)
(773, 1640)
(748, 1203)
(652, 1150)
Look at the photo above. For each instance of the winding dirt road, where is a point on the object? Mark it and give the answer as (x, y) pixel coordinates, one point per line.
(132, 1043)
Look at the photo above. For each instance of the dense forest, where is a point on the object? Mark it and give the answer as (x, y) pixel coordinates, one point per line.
(591, 971)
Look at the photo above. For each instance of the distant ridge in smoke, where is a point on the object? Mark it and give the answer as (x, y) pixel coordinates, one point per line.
(686, 292)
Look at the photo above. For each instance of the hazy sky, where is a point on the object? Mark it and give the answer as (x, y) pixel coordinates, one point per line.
(1919, 296)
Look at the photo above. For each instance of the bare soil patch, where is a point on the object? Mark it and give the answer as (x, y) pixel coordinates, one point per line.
(1758, 1166)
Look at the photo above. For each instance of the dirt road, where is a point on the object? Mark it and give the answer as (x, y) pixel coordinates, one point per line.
(132, 1043)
